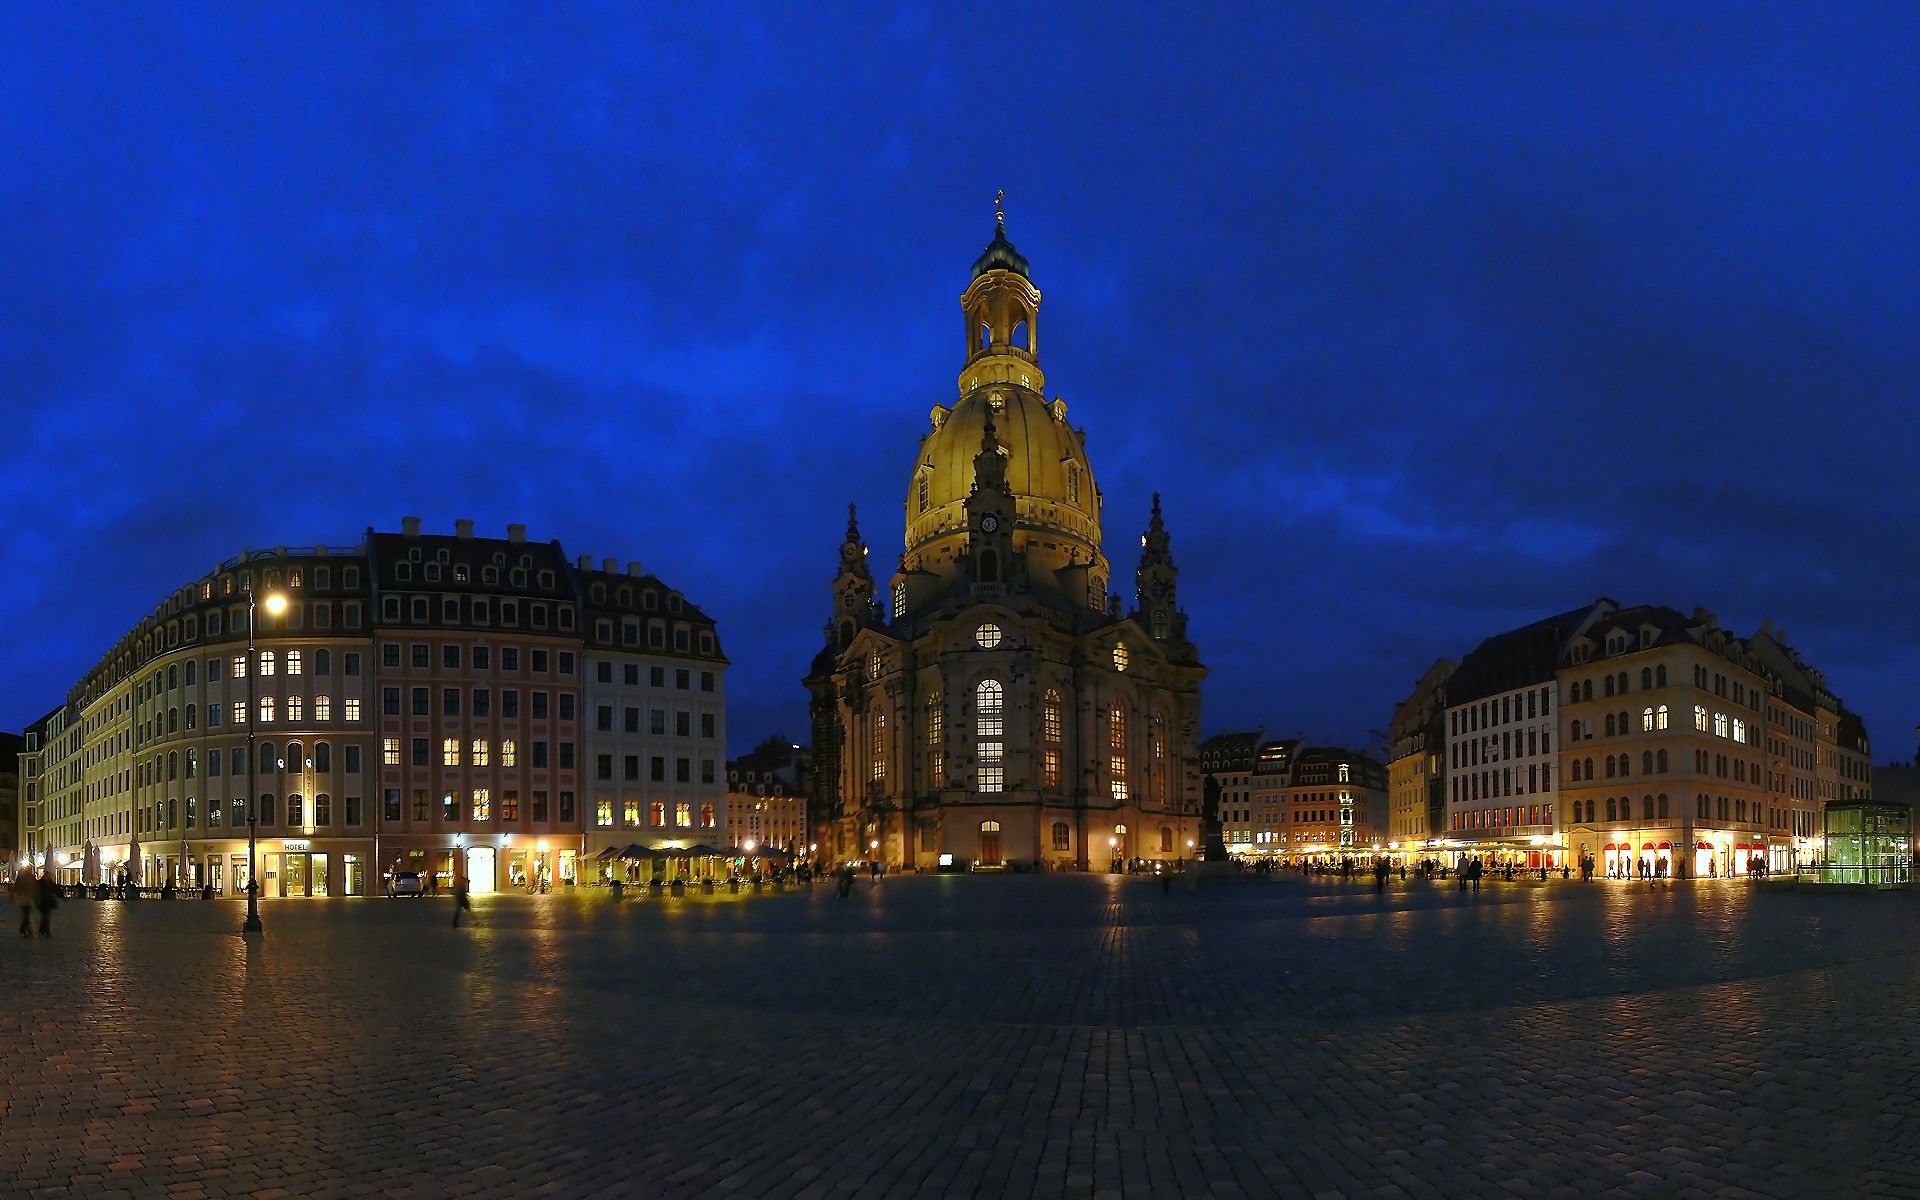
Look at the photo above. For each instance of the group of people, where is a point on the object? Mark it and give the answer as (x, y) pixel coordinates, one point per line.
(35, 891)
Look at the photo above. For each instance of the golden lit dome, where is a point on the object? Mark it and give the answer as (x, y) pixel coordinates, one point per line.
(1055, 499)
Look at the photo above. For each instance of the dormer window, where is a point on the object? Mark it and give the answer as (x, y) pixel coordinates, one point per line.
(1073, 483)
(460, 573)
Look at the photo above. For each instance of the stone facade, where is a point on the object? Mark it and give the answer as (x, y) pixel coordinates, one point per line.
(993, 705)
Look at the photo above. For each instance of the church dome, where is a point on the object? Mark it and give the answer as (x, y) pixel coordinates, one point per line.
(1047, 471)
(1000, 256)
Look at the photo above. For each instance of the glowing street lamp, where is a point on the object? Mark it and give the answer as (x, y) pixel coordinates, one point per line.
(276, 604)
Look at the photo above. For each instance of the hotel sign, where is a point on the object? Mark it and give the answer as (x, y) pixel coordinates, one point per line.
(296, 845)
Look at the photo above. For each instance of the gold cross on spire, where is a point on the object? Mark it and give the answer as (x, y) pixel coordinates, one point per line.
(999, 211)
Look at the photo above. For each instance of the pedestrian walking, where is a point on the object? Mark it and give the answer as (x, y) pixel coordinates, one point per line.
(462, 902)
(26, 893)
(1166, 883)
(47, 899)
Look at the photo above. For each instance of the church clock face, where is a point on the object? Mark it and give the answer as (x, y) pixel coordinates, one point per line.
(989, 523)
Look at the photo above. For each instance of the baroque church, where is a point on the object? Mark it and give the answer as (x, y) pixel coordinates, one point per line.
(992, 706)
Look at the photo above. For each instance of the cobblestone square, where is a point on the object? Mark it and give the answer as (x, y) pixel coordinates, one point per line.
(976, 1036)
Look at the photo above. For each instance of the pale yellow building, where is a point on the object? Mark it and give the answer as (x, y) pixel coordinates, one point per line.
(1416, 764)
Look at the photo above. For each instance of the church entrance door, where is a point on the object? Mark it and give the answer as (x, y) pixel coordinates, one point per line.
(990, 844)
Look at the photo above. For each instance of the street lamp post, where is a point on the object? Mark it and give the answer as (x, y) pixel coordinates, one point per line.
(275, 604)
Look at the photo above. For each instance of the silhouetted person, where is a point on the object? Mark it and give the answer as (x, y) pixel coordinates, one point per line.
(462, 902)
(26, 893)
(47, 899)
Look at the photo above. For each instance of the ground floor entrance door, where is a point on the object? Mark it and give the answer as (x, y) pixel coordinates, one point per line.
(480, 868)
(293, 874)
(990, 844)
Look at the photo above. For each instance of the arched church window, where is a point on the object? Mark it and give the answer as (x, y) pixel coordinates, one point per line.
(1050, 715)
(1160, 626)
(936, 741)
(1117, 751)
(1166, 839)
(1073, 483)
(988, 722)
(1020, 335)
(1120, 656)
(878, 727)
(1061, 836)
(926, 489)
(899, 599)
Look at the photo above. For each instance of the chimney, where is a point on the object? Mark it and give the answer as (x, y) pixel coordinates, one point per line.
(1780, 635)
(410, 526)
(463, 530)
(516, 533)
(1766, 627)
(609, 566)
(633, 568)
(586, 562)
(1699, 614)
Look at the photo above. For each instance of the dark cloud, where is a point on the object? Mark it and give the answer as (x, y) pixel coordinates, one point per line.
(1426, 320)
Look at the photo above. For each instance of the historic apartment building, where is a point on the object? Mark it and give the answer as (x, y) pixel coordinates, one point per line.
(1503, 737)
(767, 790)
(423, 701)
(1645, 738)
(1339, 803)
(1286, 800)
(993, 704)
(1247, 780)
(1417, 763)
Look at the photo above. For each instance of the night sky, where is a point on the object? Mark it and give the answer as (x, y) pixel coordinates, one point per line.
(1428, 320)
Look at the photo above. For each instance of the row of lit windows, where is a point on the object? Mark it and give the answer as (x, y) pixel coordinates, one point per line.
(481, 806)
(656, 814)
(479, 752)
(295, 711)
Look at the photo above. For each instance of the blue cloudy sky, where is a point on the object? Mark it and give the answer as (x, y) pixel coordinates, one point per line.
(1427, 319)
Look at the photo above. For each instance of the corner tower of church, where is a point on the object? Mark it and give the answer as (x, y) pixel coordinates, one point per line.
(992, 707)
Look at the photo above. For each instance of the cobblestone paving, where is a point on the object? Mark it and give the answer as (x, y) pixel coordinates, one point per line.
(1025, 1036)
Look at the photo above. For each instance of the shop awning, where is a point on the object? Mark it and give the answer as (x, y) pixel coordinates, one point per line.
(1646, 845)
(637, 851)
(698, 850)
(609, 852)
(1703, 846)
(1666, 845)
